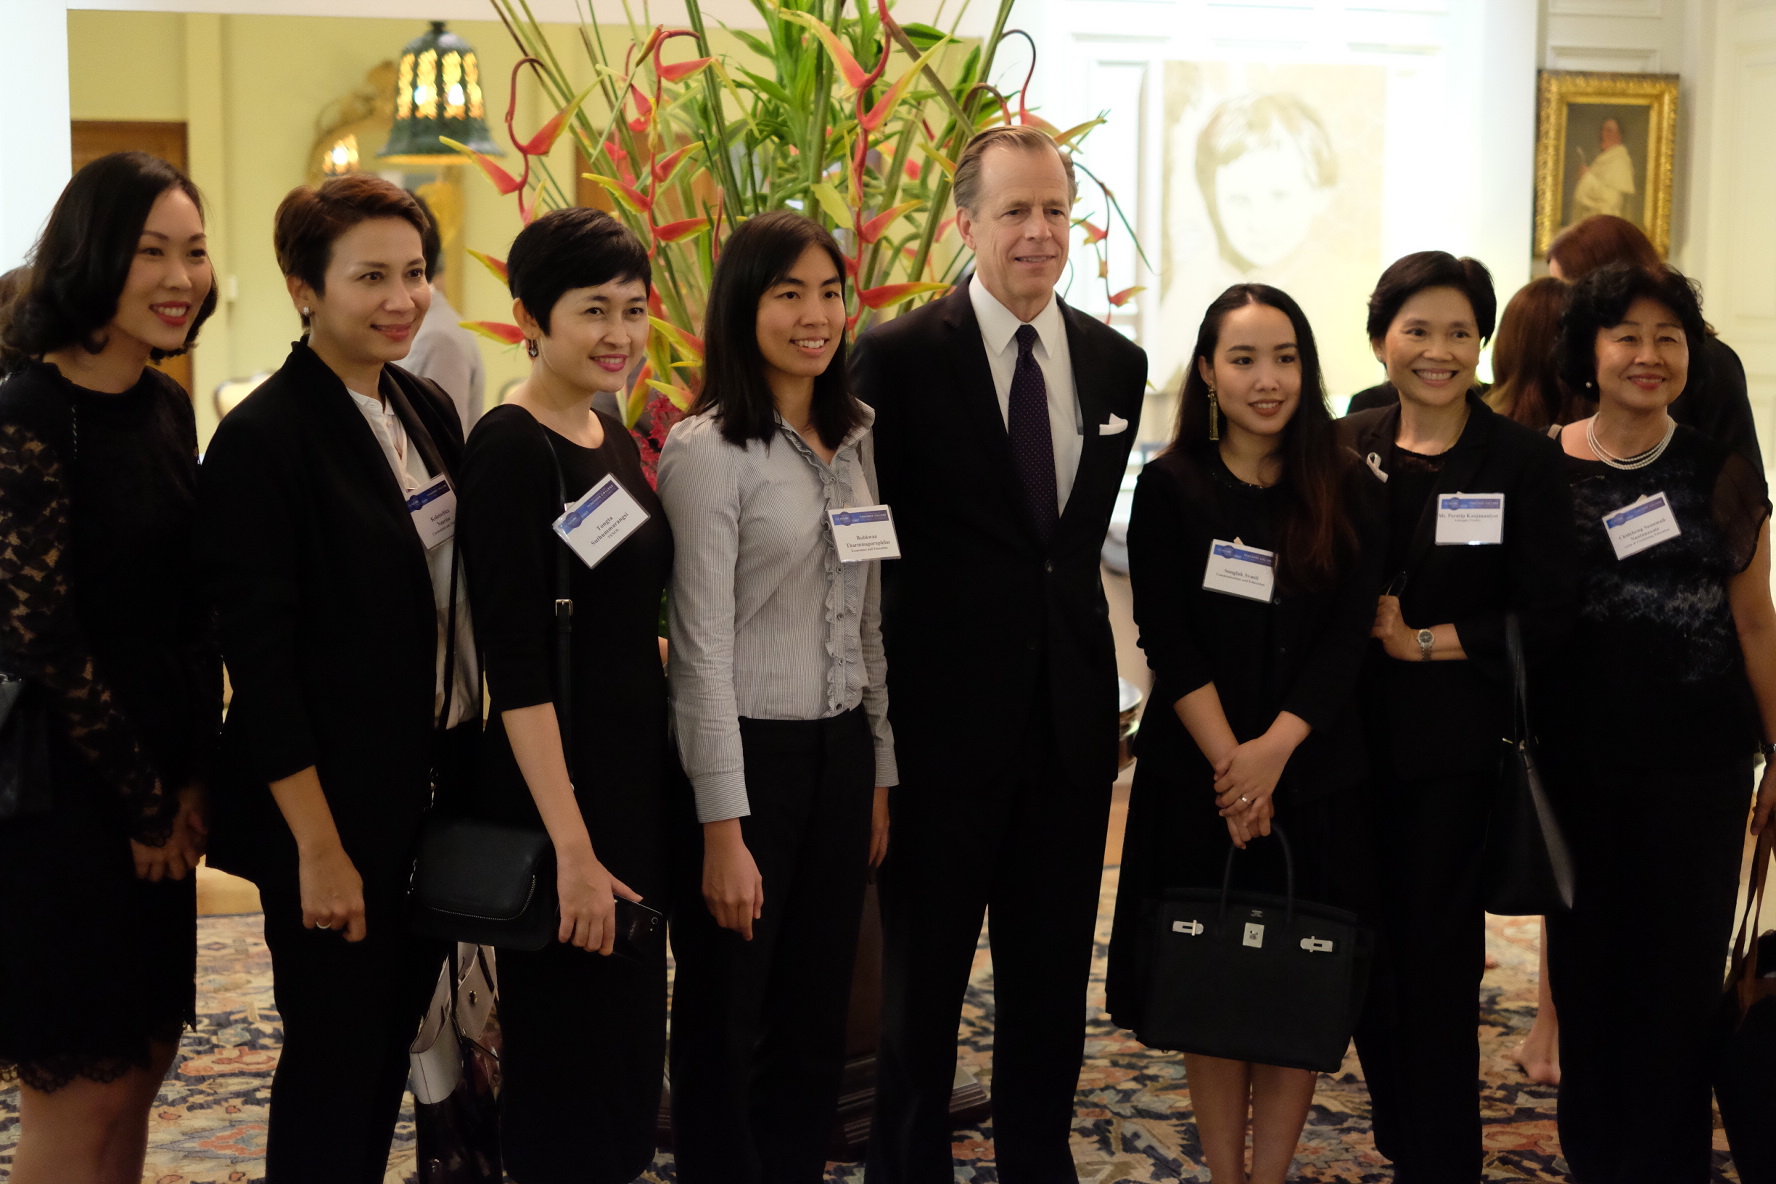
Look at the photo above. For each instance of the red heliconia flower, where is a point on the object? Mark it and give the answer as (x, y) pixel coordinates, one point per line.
(679, 71)
(1093, 234)
(497, 330)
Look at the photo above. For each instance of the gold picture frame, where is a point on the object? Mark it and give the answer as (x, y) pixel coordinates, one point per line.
(1604, 145)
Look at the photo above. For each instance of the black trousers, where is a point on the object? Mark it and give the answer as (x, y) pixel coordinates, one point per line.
(1419, 1036)
(583, 1056)
(1028, 848)
(758, 1028)
(350, 1011)
(1656, 856)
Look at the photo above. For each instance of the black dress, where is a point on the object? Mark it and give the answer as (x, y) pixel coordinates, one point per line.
(585, 1035)
(99, 608)
(1300, 653)
(1649, 728)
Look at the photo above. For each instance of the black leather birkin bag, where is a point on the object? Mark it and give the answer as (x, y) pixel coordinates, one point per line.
(1745, 1059)
(24, 752)
(1258, 978)
(1526, 870)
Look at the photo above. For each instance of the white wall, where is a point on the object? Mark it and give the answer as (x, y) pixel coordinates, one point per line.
(34, 93)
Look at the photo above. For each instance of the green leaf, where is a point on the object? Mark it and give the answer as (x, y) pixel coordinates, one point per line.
(767, 86)
(754, 44)
(922, 35)
(833, 204)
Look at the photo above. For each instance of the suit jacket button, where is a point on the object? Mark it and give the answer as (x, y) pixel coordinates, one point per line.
(1031, 644)
(1049, 567)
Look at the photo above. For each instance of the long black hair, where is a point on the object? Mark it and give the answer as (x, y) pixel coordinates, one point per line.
(81, 263)
(1315, 532)
(758, 255)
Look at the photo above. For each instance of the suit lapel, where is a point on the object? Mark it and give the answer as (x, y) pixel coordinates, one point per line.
(1464, 462)
(1098, 454)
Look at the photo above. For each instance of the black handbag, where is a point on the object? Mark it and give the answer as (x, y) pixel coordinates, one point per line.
(1526, 869)
(1745, 1058)
(493, 883)
(24, 751)
(1251, 977)
(455, 1077)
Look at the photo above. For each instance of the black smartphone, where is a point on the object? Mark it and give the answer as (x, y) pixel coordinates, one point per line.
(641, 931)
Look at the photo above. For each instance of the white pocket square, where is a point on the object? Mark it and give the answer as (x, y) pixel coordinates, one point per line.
(1117, 424)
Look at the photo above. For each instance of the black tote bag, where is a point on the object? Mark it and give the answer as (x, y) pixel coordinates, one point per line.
(1527, 869)
(1252, 977)
(1745, 1064)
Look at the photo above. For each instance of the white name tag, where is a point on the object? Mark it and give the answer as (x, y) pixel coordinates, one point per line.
(599, 521)
(864, 532)
(1470, 519)
(1239, 570)
(1641, 524)
(434, 513)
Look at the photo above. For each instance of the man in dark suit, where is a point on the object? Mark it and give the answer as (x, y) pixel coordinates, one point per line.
(1003, 426)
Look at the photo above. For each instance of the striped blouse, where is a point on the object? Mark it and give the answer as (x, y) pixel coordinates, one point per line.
(766, 622)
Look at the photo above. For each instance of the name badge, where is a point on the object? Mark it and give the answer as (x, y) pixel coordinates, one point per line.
(434, 513)
(1641, 524)
(1239, 570)
(1470, 519)
(864, 532)
(600, 520)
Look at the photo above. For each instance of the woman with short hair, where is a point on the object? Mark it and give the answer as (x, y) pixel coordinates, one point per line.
(1437, 693)
(781, 712)
(102, 619)
(327, 540)
(1656, 713)
(589, 762)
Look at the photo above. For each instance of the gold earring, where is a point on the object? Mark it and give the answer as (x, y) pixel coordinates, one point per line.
(1214, 415)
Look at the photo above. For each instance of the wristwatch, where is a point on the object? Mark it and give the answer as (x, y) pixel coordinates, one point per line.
(1426, 639)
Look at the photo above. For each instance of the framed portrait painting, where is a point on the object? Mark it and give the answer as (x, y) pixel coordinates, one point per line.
(1604, 146)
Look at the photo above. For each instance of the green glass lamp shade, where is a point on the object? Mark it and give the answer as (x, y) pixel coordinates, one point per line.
(438, 94)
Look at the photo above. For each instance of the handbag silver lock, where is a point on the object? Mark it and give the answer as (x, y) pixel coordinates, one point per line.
(1193, 928)
(1254, 936)
(1316, 945)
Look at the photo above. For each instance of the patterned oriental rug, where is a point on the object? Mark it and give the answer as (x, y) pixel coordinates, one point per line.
(1132, 1124)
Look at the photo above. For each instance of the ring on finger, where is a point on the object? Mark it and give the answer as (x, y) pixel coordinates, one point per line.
(323, 924)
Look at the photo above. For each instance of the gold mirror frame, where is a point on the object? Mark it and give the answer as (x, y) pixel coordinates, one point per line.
(1560, 89)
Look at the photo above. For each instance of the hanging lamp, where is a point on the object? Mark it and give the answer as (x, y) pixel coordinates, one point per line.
(438, 93)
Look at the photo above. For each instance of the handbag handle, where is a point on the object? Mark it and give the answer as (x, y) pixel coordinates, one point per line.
(1288, 876)
(1519, 678)
(1745, 954)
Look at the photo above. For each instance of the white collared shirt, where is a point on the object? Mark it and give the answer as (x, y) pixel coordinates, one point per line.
(999, 326)
(410, 471)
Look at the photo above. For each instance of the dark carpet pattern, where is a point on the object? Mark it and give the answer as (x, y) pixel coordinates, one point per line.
(1132, 1123)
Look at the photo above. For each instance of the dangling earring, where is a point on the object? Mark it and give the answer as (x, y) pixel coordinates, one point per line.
(530, 347)
(1214, 415)
(307, 312)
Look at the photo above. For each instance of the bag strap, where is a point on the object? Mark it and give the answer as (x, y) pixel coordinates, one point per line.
(1519, 677)
(1276, 831)
(564, 607)
(1744, 954)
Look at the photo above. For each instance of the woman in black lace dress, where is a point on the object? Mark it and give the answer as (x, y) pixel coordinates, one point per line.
(101, 616)
(1657, 709)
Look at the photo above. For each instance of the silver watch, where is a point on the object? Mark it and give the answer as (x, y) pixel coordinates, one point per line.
(1426, 639)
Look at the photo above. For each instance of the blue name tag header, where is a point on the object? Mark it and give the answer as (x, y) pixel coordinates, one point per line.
(1472, 503)
(1229, 551)
(425, 497)
(856, 517)
(1633, 512)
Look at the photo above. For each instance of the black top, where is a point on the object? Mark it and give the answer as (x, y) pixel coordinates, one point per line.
(325, 607)
(1431, 719)
(1411, 478)
(1300, 653)
(1654, 675)
(944, 461)
(618, 691)
(99, 602)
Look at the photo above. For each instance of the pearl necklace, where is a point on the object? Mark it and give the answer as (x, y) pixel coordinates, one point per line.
(1628, 463)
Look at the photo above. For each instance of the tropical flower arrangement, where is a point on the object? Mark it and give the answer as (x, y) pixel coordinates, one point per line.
(689, 146)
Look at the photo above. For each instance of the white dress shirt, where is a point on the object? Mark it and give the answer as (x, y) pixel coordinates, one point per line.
(410, 470)
(999, 326)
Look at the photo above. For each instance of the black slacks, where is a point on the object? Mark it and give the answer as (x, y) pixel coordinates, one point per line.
(1656, 864)
(1028, 849)
(582, 1061)
(350, 1012)
(758, 1028)
(1419, 1035)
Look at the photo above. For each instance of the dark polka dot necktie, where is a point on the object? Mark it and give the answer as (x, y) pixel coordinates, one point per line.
(1032, 445)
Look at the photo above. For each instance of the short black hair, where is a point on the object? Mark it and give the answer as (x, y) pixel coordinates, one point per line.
(573, 248)
(1602, 299)
(309, 222)
(83, 259)
(755, 257)
(1411, 274)
(431, 241)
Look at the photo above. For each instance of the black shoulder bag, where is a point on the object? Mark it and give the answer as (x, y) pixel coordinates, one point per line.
(493, 883)
(1526, 869)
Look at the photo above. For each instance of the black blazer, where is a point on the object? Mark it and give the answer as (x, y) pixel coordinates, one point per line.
(1439, 718)
(974, 577)
(325, 610)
